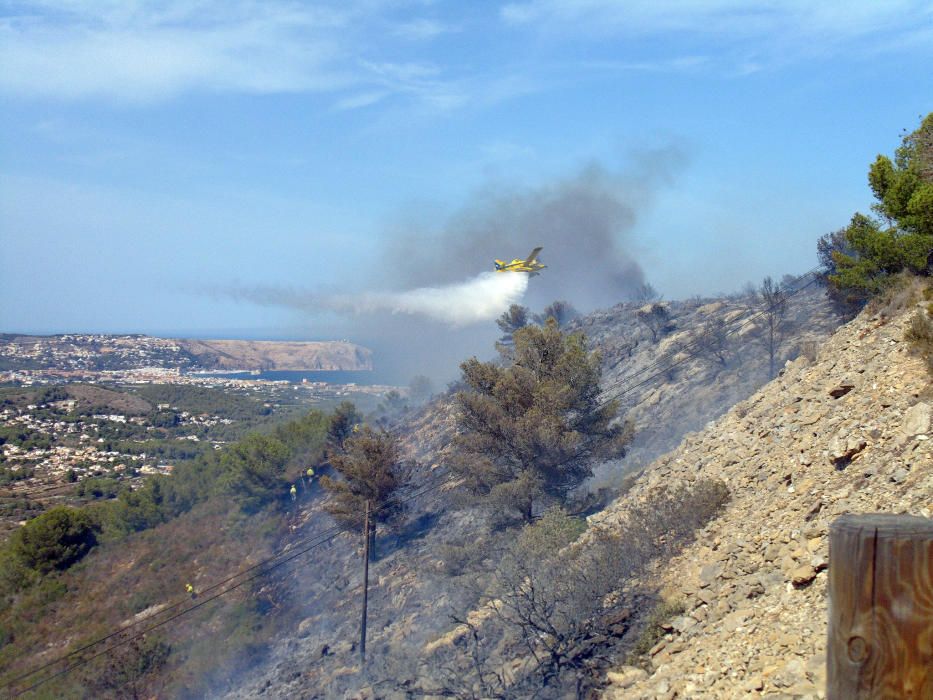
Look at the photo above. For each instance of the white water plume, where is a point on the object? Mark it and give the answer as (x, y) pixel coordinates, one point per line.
(482, 298)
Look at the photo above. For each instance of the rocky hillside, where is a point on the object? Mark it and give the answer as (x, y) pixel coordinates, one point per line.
(410, 599)
(847, 432)
(707, 379)
(718, 349)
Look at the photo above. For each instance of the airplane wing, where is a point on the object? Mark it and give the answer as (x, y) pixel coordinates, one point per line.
(531, 258)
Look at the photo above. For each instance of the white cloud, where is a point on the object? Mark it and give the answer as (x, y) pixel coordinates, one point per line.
(829, 20)
(422, 29)
(663, 65)
(151, 50)
(360, 100)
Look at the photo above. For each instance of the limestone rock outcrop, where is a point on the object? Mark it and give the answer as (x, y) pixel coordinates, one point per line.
(846, 433)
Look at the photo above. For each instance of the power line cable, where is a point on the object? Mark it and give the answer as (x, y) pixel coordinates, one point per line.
(150, 618)
(696, 343)
(177, 615)
(746, 322)
(335, 530)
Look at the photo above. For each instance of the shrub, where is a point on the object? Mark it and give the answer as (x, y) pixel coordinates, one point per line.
(463, 557)
(550, 594)
(255, 471)
(656, 318)
(130, 671)
(652, 632)
(98, 487)
(903, 239)
(920, 336)
(901, 291)
(711, 341)
(55, 540)
(561, 311)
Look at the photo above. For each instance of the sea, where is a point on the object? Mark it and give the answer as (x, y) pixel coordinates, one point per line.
(360, 377)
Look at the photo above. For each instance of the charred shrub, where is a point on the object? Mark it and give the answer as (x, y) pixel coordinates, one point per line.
(464, 557)
(554, 597)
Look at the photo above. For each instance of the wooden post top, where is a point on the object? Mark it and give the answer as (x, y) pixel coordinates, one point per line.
(885, 524)
(880, 608)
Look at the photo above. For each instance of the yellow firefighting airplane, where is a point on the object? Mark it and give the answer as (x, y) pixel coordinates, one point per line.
(529, 264)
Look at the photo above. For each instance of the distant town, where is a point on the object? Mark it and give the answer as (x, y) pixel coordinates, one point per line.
(84, 415)
(66, 353)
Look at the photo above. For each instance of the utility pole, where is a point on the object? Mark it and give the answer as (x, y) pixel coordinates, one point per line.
(365, 586)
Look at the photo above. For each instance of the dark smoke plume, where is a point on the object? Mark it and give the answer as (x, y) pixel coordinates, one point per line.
(583, 223)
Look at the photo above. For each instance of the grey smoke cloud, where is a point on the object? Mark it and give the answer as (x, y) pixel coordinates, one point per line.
(426, 312)
(583, 222)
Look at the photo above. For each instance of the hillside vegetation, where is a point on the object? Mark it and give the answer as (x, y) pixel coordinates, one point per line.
(74, 574)
(497, 570)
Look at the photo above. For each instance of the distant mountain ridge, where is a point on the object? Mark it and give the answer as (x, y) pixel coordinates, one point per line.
(97, 352)
(279, 355)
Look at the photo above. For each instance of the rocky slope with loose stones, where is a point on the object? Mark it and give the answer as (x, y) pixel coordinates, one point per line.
(846, 433)
(410, 599)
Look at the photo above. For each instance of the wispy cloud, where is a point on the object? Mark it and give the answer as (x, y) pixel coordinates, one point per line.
(361, 99)
(827, 25)
(151, 50)
(360, 52)
(422, 29)
(662, 65)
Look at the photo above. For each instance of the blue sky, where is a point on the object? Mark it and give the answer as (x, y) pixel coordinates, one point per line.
(156, 154)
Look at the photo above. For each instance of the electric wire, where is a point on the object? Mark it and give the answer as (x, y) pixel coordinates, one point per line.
(334, 531)
(695, 345)
(745, 323)
(153, 616)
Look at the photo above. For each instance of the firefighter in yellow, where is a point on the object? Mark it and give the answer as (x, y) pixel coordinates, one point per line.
(294, 492)
(189, 589)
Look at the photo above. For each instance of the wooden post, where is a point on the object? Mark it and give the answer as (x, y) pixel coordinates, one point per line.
(365, 586)
(880, 608)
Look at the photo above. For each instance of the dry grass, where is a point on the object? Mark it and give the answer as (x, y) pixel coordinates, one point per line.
(920, 336)
(903, 292)
(116, 582)
(653, 631)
